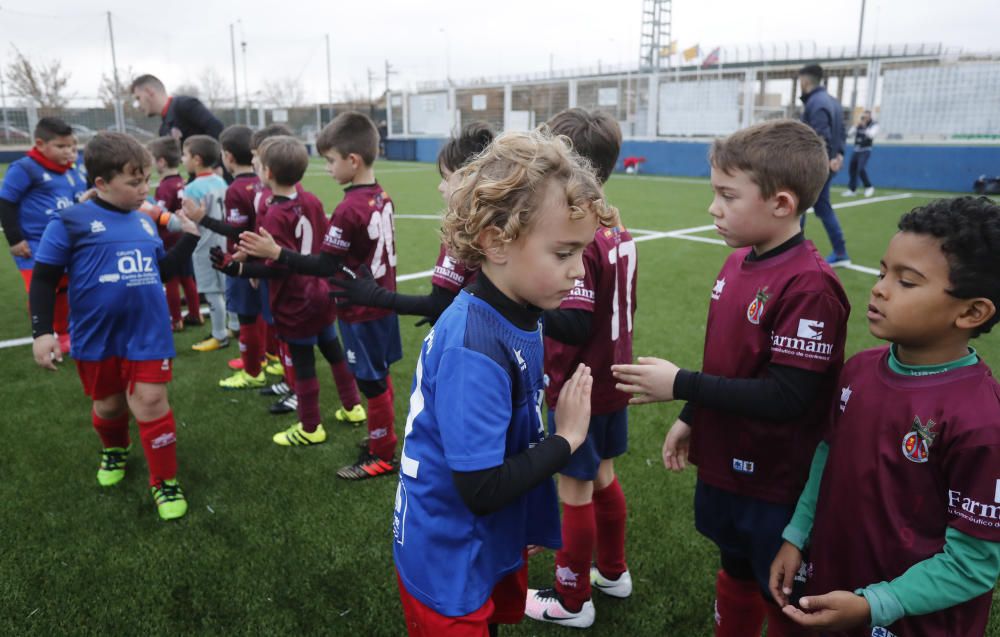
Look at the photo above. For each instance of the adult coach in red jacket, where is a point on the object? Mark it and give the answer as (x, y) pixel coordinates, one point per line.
(182, 115)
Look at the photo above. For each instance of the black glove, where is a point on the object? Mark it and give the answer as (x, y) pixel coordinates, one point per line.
(223, 262)
(360, 289)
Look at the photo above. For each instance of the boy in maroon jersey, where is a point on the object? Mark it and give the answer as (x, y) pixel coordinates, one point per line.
(774, 343)
(905, 488)
(361, 234)
(169, 195)
(593, 326)
(240, 214)
(301, 306)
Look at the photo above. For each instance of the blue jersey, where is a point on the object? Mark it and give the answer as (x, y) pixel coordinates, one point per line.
(476, 400)
(117, 304)
(39, 194)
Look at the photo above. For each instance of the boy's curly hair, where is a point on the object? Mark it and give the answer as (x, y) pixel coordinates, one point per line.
(502, 187)
(969, 231)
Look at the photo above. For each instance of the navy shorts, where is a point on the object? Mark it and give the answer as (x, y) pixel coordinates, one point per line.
(328, 333)
(371, 346)
(607, 438)
(746, 530)
(241, 297)
(265, 302)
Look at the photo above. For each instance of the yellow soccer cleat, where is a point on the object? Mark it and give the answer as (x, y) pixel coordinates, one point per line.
(296, 436)
(243, 380)
(210, 344)
(354, 416)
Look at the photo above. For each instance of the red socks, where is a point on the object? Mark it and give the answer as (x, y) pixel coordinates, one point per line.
(579, 534)
(159, 441)
(173, 290)
(381, 433)
(113, 432)
(307, 391)
(347, 389)
(191, 294)
(273, 345)
(739, 607)
(609, 515)
(251, 347)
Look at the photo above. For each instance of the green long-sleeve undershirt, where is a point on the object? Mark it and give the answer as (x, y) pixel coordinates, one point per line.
(964, 569)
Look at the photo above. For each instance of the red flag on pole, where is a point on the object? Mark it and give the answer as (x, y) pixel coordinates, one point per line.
(711, 59)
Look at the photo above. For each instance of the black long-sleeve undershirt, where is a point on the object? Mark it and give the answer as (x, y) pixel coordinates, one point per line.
(178, 256)
(430, 305)
(490, 490)
(221, 227)
(322, 264)
(10, 223)
(784, 394)
(571, 327)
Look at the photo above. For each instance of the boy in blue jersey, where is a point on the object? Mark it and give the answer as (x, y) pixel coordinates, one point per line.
(122, 340)
(34, 189)
(476, 469)
(200, 155)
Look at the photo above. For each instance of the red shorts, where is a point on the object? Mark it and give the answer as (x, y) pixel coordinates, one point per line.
(505, 606)
(117, 375)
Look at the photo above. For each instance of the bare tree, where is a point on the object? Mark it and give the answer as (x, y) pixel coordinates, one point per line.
(285, 93)
(44, 84)
(213, 87)
(106, 90)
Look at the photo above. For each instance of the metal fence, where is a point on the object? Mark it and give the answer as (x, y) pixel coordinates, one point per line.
(918, 93)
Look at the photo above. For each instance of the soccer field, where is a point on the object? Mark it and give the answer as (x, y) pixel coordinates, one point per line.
(274, 543)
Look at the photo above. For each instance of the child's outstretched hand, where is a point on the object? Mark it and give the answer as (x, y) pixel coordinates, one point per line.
(573, 407)
(260, 245)
(193, 209)
(46, 351)
(676, 446)
(783, 569)
(188, 224)
(651, 380)
(838, 610)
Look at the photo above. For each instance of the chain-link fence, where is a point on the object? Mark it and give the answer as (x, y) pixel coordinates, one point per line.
(918, 93)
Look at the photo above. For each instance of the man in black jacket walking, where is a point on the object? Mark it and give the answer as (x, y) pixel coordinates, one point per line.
(182, 115)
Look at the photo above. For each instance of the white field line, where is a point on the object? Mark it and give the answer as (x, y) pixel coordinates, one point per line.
(645, 235)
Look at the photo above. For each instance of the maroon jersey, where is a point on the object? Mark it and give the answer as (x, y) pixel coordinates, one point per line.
(790, 310)
(451, 274)
(262, 199)
(363, 231)
(607, 290)
(909, 457)
(240, 212)
(300, 303)
(169, 195)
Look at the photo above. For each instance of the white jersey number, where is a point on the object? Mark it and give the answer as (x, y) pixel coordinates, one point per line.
(625, 251)
(304, 232)
(382, 228)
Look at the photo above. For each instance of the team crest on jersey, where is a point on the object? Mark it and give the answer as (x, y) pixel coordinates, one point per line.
(845, 395)
(720, 285)
(917, 443)
(756, 308)
(148, 227)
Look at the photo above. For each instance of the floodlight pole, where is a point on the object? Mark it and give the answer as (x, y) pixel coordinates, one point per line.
(236, 90)
(329, 78)
(119, 111)
(246, 85)
(857, 61)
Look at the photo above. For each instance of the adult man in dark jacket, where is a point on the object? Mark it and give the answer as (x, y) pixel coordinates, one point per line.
(182, 116)
(824, 115)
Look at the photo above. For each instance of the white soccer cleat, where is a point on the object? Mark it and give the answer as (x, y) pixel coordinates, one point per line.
(621, 587)
(546, 606)
(849, 193)
(869, 191)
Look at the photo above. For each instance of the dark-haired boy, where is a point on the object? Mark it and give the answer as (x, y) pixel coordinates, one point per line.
(169, 196)
(361, 234)
(912, 453)
(593, 327)
(200, 155)
(120, 326)
(34, 189)
(303, 311)
(774, 343)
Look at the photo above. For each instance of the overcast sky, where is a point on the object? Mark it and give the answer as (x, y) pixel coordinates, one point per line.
(430, 40)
